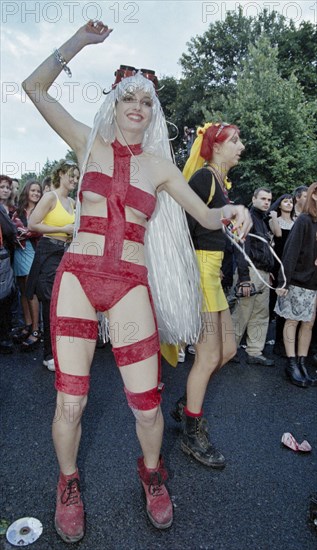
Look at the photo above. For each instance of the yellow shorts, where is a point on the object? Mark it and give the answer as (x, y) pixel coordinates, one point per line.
(209, 264)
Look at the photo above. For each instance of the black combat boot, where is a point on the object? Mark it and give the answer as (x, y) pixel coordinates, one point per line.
(178, 412)
(195, 442)
(294, 373)
(303, 370)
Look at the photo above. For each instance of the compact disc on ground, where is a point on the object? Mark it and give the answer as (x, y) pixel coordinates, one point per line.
(24, 531)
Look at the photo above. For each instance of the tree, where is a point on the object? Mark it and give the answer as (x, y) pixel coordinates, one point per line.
(26, 177)
(167, 93)
(277, 124)
(47, 169)
(298, 55)
(213, 61)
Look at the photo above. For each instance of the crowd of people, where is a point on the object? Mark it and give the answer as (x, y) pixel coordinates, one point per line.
(24, 316)
(72, 260)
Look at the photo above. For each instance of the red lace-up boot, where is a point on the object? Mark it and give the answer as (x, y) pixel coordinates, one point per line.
(159, 507)
(69, 516)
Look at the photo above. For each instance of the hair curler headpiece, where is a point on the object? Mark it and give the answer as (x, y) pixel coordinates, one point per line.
(126, 70)
(123, 72)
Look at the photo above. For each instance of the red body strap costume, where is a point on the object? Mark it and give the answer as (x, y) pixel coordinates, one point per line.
(106, 278)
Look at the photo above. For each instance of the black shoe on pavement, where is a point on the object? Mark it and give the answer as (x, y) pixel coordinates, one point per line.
(303, 371)
(294, 373)
(195, 442)
(260, 360)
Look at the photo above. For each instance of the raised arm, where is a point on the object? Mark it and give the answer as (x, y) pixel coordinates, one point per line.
(38, 83)
(274, 225)
(176, 185)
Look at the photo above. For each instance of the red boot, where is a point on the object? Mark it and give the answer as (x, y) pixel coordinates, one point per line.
(159, 507)
(69, 516)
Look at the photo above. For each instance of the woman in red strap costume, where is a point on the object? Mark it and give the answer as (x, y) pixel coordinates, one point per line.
(124, 164)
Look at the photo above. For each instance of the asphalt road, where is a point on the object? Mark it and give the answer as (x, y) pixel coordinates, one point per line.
(260, 501)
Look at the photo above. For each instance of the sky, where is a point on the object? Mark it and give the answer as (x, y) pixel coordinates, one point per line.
(150, 34)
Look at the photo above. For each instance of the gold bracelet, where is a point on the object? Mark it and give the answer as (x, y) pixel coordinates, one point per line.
(58, 56)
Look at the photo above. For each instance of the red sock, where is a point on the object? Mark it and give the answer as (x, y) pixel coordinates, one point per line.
(193, 415)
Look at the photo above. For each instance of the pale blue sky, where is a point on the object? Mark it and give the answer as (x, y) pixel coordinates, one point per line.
(151, 34)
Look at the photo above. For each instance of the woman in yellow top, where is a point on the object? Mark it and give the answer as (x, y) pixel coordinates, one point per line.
(54, 217)
(218, 147)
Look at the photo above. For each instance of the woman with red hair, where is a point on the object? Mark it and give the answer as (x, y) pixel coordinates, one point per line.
(218, 147)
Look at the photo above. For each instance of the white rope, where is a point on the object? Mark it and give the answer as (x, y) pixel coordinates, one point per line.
(235, 239)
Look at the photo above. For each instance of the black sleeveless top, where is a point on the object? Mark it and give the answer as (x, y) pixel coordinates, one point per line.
(207, 239)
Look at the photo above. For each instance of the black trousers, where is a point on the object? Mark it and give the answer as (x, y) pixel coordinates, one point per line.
(6, 317)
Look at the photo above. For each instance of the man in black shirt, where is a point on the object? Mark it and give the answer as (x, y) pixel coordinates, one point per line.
(252, 311)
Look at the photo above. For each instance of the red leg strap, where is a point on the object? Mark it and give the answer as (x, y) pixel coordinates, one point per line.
(72, 327)
(145, 401)
(127, 355)
(76, 328)
(69, 383)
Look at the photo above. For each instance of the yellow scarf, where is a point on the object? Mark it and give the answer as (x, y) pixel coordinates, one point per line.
(195, 161)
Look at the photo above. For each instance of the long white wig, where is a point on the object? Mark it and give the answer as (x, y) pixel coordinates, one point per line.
(169, 254)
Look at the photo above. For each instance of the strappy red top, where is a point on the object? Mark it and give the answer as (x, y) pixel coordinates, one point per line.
(119, 193)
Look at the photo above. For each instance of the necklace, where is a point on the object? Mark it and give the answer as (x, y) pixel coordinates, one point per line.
(225, 184)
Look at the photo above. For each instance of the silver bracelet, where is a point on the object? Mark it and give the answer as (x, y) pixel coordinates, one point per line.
(58, 56)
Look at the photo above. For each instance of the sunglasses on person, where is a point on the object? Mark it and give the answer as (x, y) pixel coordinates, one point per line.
(125, 71)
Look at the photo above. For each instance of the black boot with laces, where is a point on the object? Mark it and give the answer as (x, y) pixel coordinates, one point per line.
(195, 442)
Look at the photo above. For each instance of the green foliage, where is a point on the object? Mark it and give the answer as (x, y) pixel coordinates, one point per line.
(298, 55)
(47, 169)
(213, 61)
(260, 73)
(26, 177)
(277, 125)
(167, 94)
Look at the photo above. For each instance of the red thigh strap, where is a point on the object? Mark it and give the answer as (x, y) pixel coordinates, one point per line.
(76, 328)
(145, 401)
(72, 327)
(127, 355)
(69, 383)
